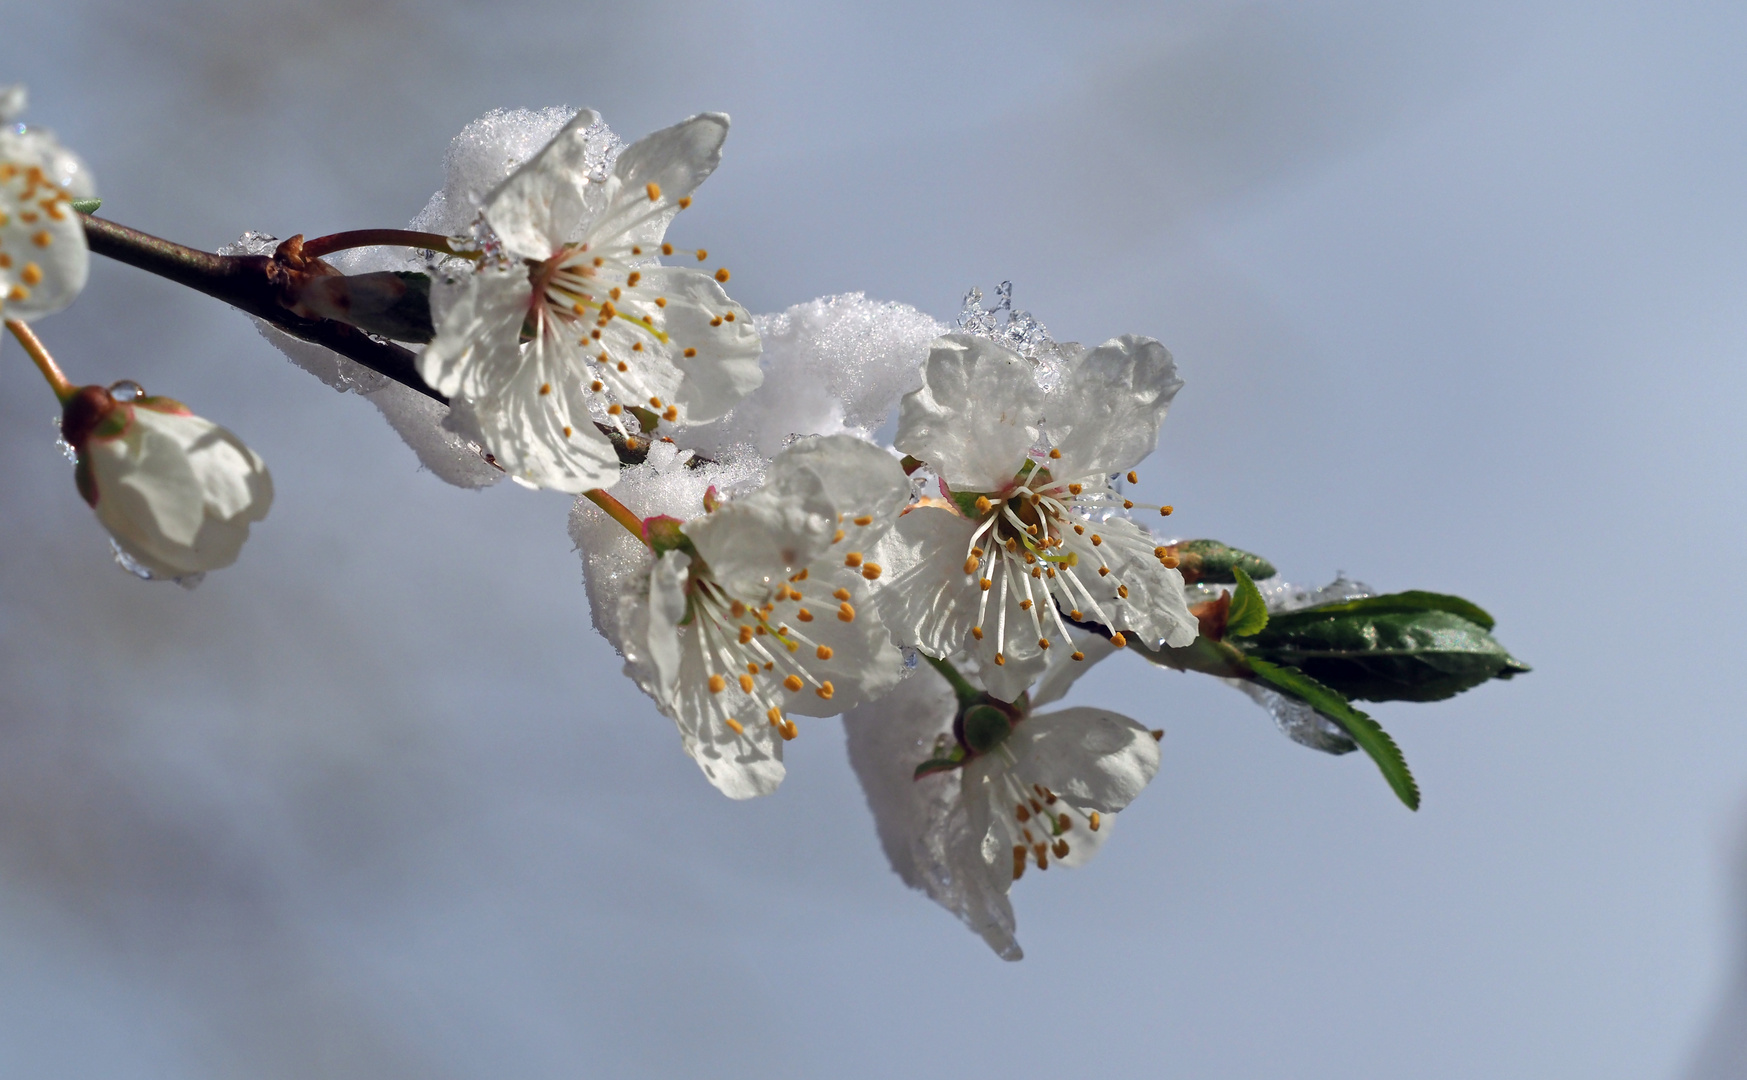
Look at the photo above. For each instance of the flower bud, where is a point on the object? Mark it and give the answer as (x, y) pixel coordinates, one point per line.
(176, 491)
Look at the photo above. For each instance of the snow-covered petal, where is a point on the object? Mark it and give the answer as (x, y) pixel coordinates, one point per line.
(922, 822)
(1105, 416)
(975, 418)
(542, 205)
(176, 491)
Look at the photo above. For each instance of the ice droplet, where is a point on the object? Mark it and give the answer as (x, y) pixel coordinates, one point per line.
(65, 447)
(139, 570)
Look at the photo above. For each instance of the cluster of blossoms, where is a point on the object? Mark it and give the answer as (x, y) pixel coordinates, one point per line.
(750, 547)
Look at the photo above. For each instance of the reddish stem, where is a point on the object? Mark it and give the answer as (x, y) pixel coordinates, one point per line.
(58, 381)
(357, 238)
(618, 511)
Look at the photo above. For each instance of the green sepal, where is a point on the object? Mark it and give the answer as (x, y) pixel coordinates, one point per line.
(113, 425)
(1412, 646)
(940, 764)
(986, 727)
(87, 206)
(1249, 612)
(1361, 728)
(1212, 561)
(648, 420)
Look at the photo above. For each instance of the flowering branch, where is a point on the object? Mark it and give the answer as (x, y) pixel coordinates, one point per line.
(259, 285)
(357, 238)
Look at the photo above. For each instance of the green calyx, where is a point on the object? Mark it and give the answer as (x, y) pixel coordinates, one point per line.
(985, 727)
(663, 534)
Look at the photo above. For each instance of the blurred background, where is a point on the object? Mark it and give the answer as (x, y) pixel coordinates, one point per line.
(1457, 290)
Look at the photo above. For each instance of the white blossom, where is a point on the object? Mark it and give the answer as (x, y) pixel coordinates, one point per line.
(177, 492)
(1031, 530)
(759, 609)
(1035, 793)
(43, 258)
(573, 264)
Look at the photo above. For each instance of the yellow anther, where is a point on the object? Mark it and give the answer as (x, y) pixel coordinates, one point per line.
(1043, 643)
(746, 683)
(1127, 504)
(1097, 540)
(985, 583)
(853, 558)
(41, 239)
(636, 251)
(793, 683)
(871, 571)
(19, 292)
(722, 275)
(804, 615)
(717, 321)
(983, 504)
(685, 201)
(614, 292)
(977, 632)
(1158, 734)
(718, 684)
(598, 261)
(690, 351)
(865, 519)
(751, 669)
(31, 274)
(731, 722)
(655, 403)
(633, 278)
(636, 346)
(1122, 591)
(1078, 655)
(661, 301)
(841, 594)
(667, 249)
(624, 366)
(1165, 511)
(1093, 820)
(654, 191)
(1170, 563)
(1133, 477)
(1024, 605)
(775, 716)
(671, 414)
(1054, 453)
(729, 315)
(787, 730)
(802, 576)
(971, 564)
(826, 690)
(737, 609)
(614, 410)
(838, 535)
(846, 613)
(1018, 861)
(1000, 661)
(1079, 530)
(545, 388)
(567, 431)
(1061, 849)
(1118, 640)
(745, 634)
(702, 254)
(1103, 571)
(597, 386)
(1022, 812)
(824, 652)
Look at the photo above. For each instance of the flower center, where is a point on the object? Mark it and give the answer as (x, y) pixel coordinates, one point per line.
(1040, 544)
(1044, 822)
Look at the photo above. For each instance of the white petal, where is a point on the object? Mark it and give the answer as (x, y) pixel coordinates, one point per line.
(1093, 758)
(676, 160)
(929, 602)
(543, 203)
(864, 664)
(539, 426)
(1155, 608)
(742, 764)
(178, 492)
(922, 824)
(476, 349)
(724, 367)
(1105, 416)
(975, 418)
(763, 538)
(41, 237)
(666, 610)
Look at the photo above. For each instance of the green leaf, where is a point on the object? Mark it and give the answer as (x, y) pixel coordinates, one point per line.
(1386, 648)
(87, 206)
(1212, 561)
(1365, 731)
(1412, 600)
(1249, 612)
